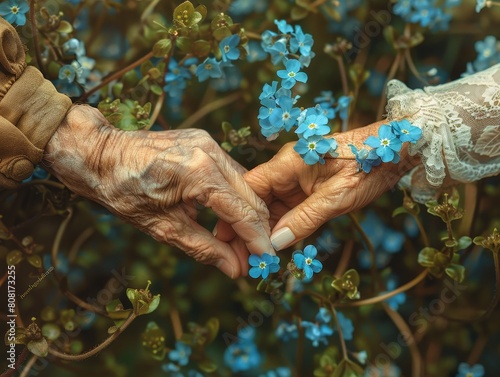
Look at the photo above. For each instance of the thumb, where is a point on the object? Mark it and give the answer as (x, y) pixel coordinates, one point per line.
(302, 221)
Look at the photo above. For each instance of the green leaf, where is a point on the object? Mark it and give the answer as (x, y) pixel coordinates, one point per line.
(65, 27)
(399, 211)
(153, 304)
(51, 331)
(156, 89)
(212, 326)
(227, 146)
(221, 33)
(183, 13)
(201, 48)
(207, 366)
(450, 243)
(116, 89)
(478, 240)
(426, 256)
(202, 10)
(184, 44)
(14, 257)
(456, 272)
(35, 260)
(39, 347)
(464, 242)
(162, 48)
(130, 79)
(146, 66)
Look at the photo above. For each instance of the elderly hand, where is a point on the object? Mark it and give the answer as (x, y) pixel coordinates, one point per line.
(301, 197)
(156, 180)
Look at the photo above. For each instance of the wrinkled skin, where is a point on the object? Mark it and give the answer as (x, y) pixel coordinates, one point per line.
(303, 197)
(157, 180)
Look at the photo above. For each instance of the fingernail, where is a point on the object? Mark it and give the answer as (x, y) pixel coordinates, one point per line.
(271, 252)
(214, 232)
(282, 238)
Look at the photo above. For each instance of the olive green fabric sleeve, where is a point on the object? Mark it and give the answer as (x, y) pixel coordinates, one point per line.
(30, 110)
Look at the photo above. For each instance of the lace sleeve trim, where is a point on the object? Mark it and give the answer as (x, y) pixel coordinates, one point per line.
(460, 124)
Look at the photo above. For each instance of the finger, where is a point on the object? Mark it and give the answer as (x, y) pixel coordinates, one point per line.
(232, 172)
(197, 242)
(302, 220)
(243, 218)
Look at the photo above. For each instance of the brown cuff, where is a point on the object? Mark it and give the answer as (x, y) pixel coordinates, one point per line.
(31, 109)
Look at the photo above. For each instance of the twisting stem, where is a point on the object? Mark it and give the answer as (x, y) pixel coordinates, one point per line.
(496, 298)
(97, 349)
(34, 29)
(208, 108)
(176, 322)
(157, 109)
(339, 330)
(385, 296)
(58, 238)
(421, 228)
(55, 250)
(390, 76)
(28, 366)
(343, 75)
(416, 358)
(344, 258)
(115, 75)
(412, 67)
(477, 349)
(369, 245)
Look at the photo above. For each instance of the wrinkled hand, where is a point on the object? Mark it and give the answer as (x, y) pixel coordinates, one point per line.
(156, 180)
(301, 198)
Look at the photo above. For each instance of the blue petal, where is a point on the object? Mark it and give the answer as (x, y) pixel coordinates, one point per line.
(274, 267)
(301, 76)
(265, 272)
(254, 260)
(316, 265)
(292, 65)
(299, 260)
(310, 251)
(308, 271)
(255, 272)
(372, 141)
(267, 258)
(311, 158)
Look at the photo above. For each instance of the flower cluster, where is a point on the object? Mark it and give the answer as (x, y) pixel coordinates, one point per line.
(243, 354)
(426, 13)
(488, 54)
(303, 264)
(76, 75)
(386, 147)
(215, 68)
(293, 49)
(178, 357)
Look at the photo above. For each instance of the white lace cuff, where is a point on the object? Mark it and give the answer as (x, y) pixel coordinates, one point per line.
(460, 124)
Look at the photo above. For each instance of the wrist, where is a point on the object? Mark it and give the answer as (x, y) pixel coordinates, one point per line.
(81, 148)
